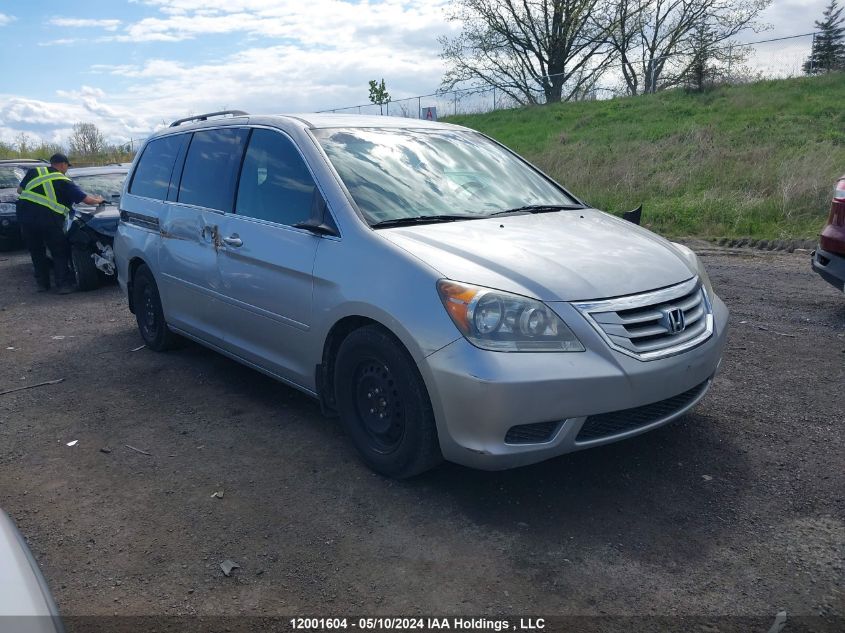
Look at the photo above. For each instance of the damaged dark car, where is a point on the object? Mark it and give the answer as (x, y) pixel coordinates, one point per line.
(12, 172)
(91, 230)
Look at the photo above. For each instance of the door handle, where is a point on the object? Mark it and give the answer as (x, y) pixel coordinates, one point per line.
(233, 240)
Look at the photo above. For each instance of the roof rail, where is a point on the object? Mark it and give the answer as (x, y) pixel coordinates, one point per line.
(22, 160)
(204, 117)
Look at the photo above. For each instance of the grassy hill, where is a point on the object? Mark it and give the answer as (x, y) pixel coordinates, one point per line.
(756, 160)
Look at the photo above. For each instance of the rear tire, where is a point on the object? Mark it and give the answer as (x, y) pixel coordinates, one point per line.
(84, 270)
(383, 404)
(149, 313)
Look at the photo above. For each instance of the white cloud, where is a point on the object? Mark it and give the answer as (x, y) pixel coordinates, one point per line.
(312, 23)
(295, 56)
(6, 19)
(53, 120)
(108, 25)
(791, 17)
(59, 42)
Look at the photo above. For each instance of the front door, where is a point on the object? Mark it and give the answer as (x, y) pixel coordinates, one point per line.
(265, 263)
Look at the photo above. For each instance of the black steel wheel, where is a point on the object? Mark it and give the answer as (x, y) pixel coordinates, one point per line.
(84, 271)
(384, 405)
(149, 313)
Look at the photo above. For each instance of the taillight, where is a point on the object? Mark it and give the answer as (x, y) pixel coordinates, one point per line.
(839, 191)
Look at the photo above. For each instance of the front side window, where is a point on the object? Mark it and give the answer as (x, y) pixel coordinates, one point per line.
(404, 173)
(152, 175)
(275, 184)
(211, 168)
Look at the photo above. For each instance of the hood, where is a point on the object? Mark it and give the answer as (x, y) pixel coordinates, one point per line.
(101, 220)
(108, 211)
(563, 256)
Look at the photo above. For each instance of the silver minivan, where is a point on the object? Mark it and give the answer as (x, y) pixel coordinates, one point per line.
(434, 290)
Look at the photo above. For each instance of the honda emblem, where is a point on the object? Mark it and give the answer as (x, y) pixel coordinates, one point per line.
(673, 320)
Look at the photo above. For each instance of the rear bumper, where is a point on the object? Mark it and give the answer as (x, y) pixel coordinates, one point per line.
(830, 266)
(559, 402)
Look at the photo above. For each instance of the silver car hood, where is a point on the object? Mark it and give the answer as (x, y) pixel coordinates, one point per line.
(562, 256)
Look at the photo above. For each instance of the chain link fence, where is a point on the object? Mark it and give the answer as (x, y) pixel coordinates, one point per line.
(775, 58)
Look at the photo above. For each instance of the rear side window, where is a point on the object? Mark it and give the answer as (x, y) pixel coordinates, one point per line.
(152, 175)
(211, 168)
(275, 184)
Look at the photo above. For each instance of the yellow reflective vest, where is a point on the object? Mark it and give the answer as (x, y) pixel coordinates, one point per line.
(45, 180)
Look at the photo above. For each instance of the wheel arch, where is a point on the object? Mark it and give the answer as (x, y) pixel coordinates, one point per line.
(134, 264)
(337, 334)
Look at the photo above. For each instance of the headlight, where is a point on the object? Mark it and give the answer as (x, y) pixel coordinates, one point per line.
(693, 259)
(7, 208)
(504, 322)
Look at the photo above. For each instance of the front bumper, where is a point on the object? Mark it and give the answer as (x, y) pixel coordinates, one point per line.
(9, 228)
(830, 266)
(479, 396)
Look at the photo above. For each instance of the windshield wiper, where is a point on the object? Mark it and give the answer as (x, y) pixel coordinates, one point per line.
(540, 208)
(422, 219)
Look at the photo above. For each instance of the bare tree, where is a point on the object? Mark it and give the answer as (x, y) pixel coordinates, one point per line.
(661, 42)
(24, 143)
(532, 50)
(86, 140)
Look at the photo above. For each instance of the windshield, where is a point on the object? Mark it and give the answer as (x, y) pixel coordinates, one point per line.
(106, 185)
(402, 173)
(10, 177)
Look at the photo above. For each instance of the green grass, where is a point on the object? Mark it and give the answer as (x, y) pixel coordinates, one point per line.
(757, 160)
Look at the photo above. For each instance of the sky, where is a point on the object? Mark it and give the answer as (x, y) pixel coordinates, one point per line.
(132, 66)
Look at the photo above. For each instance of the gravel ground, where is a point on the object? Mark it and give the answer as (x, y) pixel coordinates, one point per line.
(736, 510)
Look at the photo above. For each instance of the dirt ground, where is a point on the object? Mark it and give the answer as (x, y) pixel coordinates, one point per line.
(736, 510)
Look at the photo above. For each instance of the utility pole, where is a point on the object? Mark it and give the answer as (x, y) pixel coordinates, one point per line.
(813, 55)
(730, 59)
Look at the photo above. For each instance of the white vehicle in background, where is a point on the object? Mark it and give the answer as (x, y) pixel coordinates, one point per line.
(26, 604)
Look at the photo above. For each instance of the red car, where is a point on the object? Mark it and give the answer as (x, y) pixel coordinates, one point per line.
(829, 257)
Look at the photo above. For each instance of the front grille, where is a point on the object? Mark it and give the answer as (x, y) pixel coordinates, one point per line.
(615, 422)
(537, 433)
(654, 324)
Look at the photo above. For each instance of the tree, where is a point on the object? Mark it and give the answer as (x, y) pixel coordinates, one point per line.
(828, 52)
(662, 43)
(532, 50)
(24, 143)
(86, 140)
(379, 94)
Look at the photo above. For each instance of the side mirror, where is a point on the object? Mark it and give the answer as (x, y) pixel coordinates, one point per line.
(320, 221)
(634, 216)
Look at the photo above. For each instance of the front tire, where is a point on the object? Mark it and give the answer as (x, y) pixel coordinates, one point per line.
(86, 273)
(149, 313)
(383, 404)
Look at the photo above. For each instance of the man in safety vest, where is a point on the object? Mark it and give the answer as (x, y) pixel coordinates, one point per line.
(46, 197)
